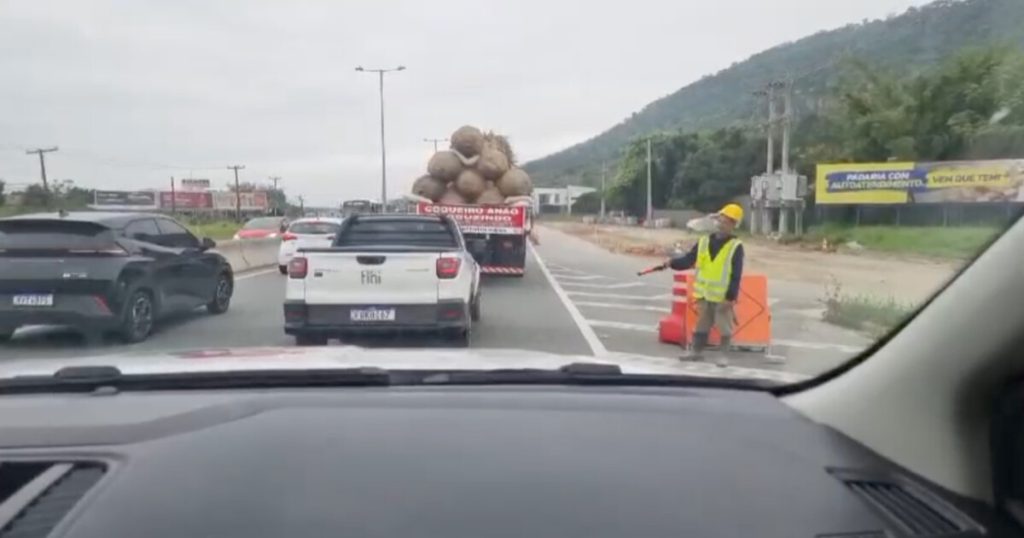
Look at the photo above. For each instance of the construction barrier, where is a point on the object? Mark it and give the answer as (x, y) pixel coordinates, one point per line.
(245, 254)
(752, 323)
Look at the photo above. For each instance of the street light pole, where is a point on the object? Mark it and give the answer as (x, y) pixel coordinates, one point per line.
(383, 147)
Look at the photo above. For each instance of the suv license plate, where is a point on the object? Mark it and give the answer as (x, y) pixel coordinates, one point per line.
(372, 314)
(45, 299)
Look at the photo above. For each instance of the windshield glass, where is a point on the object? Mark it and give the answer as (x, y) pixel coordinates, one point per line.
(735, 189)
(320, 228)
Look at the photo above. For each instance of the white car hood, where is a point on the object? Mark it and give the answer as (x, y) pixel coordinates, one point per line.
(300, 358)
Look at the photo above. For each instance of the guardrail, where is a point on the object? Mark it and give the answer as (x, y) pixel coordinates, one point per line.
(246, 254)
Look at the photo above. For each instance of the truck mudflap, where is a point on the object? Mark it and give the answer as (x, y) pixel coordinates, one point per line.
(502, 270)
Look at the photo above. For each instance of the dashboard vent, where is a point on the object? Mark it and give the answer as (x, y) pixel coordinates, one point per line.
(915, 510)
(35, 496)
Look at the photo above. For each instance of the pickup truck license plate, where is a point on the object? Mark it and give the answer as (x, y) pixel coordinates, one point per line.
(38, 299)
(372, 314)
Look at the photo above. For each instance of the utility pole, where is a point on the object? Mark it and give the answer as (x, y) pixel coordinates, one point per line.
(302, 205)
(238, 194)
(42, 163)
(435, 141)
(787, 119)
(273, 201)
(604, 178)
(383, 147)
(174, 198)
(650, 205)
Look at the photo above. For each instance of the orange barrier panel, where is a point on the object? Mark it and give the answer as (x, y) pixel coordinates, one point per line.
(752, 326)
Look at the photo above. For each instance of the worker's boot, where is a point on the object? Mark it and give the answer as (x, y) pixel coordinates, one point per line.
(696, 351)
(725, 346)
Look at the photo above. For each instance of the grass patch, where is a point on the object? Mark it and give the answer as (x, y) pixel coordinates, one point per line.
(873, 315)
(959, 243)
(218, 229)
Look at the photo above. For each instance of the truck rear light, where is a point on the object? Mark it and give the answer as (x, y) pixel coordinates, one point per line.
(448, 267)
(101, 303)
(288, 236)
(298, 267)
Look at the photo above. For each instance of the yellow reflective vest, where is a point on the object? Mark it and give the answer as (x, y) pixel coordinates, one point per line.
(711, 279)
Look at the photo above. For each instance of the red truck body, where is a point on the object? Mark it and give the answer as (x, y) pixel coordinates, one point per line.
(496, 235)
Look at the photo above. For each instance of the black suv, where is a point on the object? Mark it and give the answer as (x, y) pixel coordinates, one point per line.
(105, 272)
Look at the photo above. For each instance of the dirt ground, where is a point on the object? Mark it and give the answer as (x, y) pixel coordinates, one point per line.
(906, 279)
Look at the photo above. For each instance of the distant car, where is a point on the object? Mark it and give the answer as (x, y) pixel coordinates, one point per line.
(263, 228)
(312, 232)
(105, 272)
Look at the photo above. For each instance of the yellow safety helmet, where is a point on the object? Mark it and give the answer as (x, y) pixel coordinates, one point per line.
(733, 211)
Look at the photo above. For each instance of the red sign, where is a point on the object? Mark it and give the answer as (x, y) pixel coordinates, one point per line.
(186, 200)
(481, 219)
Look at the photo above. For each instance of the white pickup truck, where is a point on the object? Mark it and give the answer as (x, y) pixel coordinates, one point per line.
(384, 273)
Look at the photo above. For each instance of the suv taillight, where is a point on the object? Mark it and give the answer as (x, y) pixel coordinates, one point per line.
(448, 267)
(288, 236)
(298, 267)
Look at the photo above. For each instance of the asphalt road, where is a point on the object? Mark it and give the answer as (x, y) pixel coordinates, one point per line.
(576, 298)
(518, 313)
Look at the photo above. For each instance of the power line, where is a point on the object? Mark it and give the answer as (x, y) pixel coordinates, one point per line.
(435, 141)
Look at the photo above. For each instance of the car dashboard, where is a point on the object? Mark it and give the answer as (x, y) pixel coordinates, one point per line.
(490, 461)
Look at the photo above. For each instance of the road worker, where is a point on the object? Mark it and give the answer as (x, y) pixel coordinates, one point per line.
(718, 260)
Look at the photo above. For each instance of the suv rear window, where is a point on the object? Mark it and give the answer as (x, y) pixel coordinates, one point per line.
(323, 228)
(403, 232)
(49, 235)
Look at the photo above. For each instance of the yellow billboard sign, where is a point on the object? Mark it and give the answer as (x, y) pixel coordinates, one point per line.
(920, 182)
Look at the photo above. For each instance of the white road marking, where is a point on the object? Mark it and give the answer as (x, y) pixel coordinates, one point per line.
(624, 326)
(596, 346)
(564, 269)
(255, 274)
(581, 277)
(618, 286)
(624, 306)
(821, 346)
(818, 345)
(663, 297)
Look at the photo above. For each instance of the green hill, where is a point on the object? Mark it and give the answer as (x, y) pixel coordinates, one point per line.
(917, 39)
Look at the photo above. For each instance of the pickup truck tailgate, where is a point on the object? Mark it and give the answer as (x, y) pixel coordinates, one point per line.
(371, 278)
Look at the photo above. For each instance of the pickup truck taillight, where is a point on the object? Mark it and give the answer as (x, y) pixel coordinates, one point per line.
(448, 267)
(288, 236)
(298, 267)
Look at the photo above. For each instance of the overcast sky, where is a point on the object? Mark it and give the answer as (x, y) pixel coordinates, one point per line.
(137, 91)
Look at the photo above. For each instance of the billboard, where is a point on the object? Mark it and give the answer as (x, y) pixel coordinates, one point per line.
(124, 200)
(185, 200)
(190, 184)
(921, 182)
(251, 201)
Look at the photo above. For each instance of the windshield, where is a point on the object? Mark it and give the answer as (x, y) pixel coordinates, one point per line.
(735, 189)
(317, 228)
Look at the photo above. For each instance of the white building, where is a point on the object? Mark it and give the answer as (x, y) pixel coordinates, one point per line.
(558, 199)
